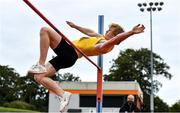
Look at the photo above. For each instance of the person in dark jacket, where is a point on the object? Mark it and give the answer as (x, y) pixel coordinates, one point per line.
(129, 106)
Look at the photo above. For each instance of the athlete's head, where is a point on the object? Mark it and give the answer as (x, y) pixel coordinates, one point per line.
(114, 29)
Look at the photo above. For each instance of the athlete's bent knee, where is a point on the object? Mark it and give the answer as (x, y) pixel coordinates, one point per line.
(38, 78)
(44, 30)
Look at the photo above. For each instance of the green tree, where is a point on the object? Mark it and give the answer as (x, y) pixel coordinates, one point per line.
(33, 93)
(175, 107)
(8, 82)
(160, 106)
(67, 77)
(135, 65)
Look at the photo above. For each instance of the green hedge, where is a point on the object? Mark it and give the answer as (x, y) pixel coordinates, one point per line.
(4, 109)
(20, 105)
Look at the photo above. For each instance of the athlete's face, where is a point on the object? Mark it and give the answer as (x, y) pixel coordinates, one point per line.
(109, 33)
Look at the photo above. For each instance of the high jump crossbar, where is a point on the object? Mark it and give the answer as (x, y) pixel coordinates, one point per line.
(61, 34)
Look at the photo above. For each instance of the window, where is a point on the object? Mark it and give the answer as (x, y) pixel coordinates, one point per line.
(108, 100)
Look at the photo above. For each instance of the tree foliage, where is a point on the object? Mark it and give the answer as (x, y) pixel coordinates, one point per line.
(33, 93)
(160, 106)
(175, 107)
(8, 82)
(135, 65)
(67, 77)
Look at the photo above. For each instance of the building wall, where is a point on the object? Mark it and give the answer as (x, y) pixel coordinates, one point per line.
(54, 105)
(80, 89)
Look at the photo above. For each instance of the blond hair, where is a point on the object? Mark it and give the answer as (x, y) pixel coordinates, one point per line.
(117, 28)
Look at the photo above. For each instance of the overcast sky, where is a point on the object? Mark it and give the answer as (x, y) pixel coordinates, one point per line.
(19, 34)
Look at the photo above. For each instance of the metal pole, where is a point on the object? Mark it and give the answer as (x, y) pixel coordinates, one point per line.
(99, 97)
(150, 7)
(100, 31)
(152, 89)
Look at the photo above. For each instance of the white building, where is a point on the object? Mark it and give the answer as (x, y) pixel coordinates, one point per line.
(84, 96)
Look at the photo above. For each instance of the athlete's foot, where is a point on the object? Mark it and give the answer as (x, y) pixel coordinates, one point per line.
(37, 69)
(65, 101)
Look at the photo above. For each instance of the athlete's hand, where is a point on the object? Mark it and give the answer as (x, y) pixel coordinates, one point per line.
(138, 29)
(71, 24)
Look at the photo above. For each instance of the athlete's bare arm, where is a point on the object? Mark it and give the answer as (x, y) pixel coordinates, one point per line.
(83, 30)
(109, 44)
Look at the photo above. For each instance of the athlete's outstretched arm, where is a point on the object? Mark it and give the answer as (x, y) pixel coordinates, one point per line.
(84, 30)
(109, 44)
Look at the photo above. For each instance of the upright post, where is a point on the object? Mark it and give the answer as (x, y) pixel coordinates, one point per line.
(100, 31)
(99, 97)
(151, 7)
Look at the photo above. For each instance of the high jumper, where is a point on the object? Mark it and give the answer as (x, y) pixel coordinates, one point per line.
(68, 52)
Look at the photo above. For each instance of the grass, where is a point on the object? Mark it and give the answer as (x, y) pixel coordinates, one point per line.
(5, 109)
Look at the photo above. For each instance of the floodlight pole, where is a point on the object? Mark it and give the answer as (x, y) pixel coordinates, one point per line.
(151, 7)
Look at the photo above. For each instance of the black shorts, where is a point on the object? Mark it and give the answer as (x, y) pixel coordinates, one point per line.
(66, 56)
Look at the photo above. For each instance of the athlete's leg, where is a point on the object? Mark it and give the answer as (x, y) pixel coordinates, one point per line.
(48, 82)
(44, 80)
(48, 38)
